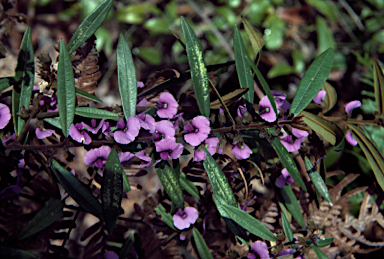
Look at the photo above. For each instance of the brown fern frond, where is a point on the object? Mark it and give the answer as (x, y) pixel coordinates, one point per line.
(268, 213)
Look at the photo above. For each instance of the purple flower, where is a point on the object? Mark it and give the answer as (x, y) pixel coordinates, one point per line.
(106, 129)
(8, 138)
(241, 110)
(125, 156)
(211, 144)
(280, 100)
(261, 249)
(142, 103)
(183, 219)
(93, 128)
(147, 122)
(351, 105)
(128, 131)
(78, 134)
(199, 130)
(140, 84)
(43, 133)
(320, 96)
(288, 251)
(142, 155)
(5, 115)
(241, 150)
(351, 140)
(168, 148)
(164, 129)
(293, 144)
(266, 110)
(97, 156)
(110, 255)
(284, 178)
(167, 106)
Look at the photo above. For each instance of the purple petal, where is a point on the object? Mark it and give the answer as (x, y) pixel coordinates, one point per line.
(77, 134)
(140, 84)
(167, 106)
(188, 127)
(242, 152)
(180, 223)
(196, 137)
(291, 145)
(266, 111)
(192, 214)
(142, 155)
(93, 129)
(261, 249)
(351, 105)
(285, 173)
(241, 110)
(165, 128)
(133, 126)
(142, 103)
(251, 256)
(125, 156)
(286, 252)
(351, 140)
(5, 115)
(199, 155)
(110, 255)
(280, 181)
(106, 128)
(146, 121)
(319, 97)
(165, 144)
(299, 133)
(41, 134)
(94, 154)
(120, 124)
(177, 150)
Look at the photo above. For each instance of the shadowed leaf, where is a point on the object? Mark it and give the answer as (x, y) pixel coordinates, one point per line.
(292, 204)
(256, 38)
(378, 84)
(228, 99)
(202, 247)
(171, 183)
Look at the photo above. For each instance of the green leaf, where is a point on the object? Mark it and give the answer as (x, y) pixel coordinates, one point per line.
(6, 82)
(317, 181)
(256, 38)
(127, 78)
(149, 55)
(378, 83)
(171, 184)
(77, 190)
(328, 130)
(189, 186)
(201, 246)
(90, 24)
(330, 98)
(165, 217)
(198, 69)
(112, 190)
(312, 81)
(242, 218)
(324, 242)
(243, 69)
(280, 69)
(292, 204)
(13, 253)
(320, 254)
(126, 184)
(325, 39)
(51, 211)
(66, 93)
(286, 227)
(95, 113)
(87, 95)
(228, 99)
(24, 80)
(218, 180)
(288, 162)
(54, 122)
(127, 246)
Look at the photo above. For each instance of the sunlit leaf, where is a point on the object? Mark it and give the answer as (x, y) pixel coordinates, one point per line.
(378, 84)
(90, 112)
(201, 246)
(228, 99)
(256, 38)
(171, 183)
(290, 201)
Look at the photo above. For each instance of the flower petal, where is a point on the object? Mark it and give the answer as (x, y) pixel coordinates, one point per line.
(351, 105)
(351, 140)
(5, 115)
(320, 96)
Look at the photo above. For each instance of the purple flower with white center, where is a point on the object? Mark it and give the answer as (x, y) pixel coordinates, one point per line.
(168, 148)
(93, 128)
(128, 131)
(147, 122)
(241, 151)
(351, 140)
(351, 105)
(261, 249)
(266, 110)
(320, 96)
(199, 130)
(5, 115)
(184, 219)
(284, 178)
(211, 144)
(145, 160)
(164, 129)
(292, 144)
(97, 156)
(167, 106)
(106, 129)
(140, 84)
(125, 156)
(43, 133)
(280, 101)
(78, 134)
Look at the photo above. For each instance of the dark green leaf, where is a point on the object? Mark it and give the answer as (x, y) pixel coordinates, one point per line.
(95, 113)
(24, 80)
(90, 24)
(320, 254)
(292, 204)
(13, 253)
(198, 69)
(87, 95)
(112, 190)
(126, 184)
(165, 217)
(286, 227)
(288, 162)
(201, 246)
(378, 84)
(312, 81)
(243, 69)
(127, 78)
(6, 82)
(54, 122)
(171, 184)
(66, 93)
(325, 39)
(77, 190)
(189, 186)
(256, 38)
(324, 242)
(228, 99)
(52, 211)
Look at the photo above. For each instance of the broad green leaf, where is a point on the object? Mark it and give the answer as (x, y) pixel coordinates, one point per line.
(201, 246)
(292, 204)
(330, 98)
(317, 181)
(228, 99)
(256, 38)
(198, 69)
(87, 95)
(288, 162)
(171, 184)
(77, 190)
(6, 82)
(242, 66)
(312, 81)
(90, 112)
(24, 80)
(89, 26)
(54, 122)
(127, 78)
(218, 180)
(112, 190)
(165, 217)
(189, 186)
(378, 83)
(66, 93)
(324, 242)
(325, 39)
(51, 211)
(320, 254)
(286, 227)
(328, 130)
(14, 253)
(372, 153)
(242, 218)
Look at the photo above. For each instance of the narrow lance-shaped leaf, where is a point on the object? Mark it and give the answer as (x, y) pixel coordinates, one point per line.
(189, 186)
(66, 95)
(171, 184)
(312, 81)
(286, 227)
(24, 80)
(378, 84)
(90, 112)
(90, 24)
(202, 247)
(165, 217)
(292, 204)
(228, 99)
(127, 78)
(87, 95)
(256, 38)
(112, 190)
(6, 82)
(198, 69)
(324, 242)
(77, 190)
(242, 66)
(320, 254)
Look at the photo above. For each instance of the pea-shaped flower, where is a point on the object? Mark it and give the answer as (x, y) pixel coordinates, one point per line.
(184, 218)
